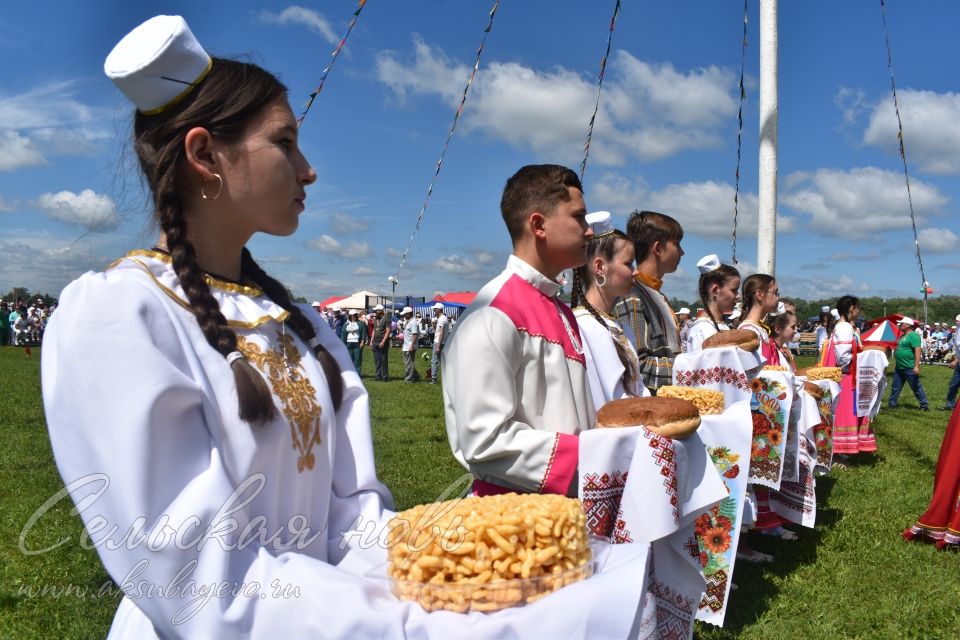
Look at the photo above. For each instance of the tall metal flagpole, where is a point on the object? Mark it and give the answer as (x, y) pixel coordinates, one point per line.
(767, 223)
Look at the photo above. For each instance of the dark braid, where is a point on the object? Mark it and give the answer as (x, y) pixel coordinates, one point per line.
(256, 403)
(578, 298)
(297, 321)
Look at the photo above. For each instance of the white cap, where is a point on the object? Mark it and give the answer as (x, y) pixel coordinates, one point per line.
(907, 321)
(835, 314)
(709, 263)
(438, 305)
(683, 310)
(825, 309)
(957, 318)
(315, 303)
(782, 309)
(601, 222)
(406, 310)
(158, 63)
(379, 307)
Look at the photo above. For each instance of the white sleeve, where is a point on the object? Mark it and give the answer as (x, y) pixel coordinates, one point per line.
(604, 373)
(843, 344)
(131, 433)
(483, 408)
(356, 493)
(699, 332)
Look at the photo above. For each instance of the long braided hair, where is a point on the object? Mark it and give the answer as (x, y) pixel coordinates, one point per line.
(224, 103)
(604, 247)
(750, 287)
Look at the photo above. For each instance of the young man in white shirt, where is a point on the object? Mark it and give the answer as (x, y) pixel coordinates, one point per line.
(439, 337)
(515, 385)
(411, 335)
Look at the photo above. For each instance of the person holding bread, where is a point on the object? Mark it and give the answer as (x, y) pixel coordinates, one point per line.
(612, 364)
(515, 387)
(646, 315)
(719, 289)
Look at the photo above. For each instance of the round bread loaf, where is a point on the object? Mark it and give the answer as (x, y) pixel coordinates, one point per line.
(742, 338)
(813, 389)
(670, 417)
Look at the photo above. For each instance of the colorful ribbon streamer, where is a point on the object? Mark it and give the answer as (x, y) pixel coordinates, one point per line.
(743, 96)
(453, 125)
(596, 107)
(333, 60)
(903, 153)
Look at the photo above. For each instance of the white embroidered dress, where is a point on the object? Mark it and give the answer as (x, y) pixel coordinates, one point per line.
(604, 368)
(143, 420)
(700, 330)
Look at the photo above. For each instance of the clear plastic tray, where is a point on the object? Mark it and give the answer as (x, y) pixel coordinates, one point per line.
(490, 596)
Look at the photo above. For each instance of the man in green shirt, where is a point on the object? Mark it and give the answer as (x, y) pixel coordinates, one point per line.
(907, 365)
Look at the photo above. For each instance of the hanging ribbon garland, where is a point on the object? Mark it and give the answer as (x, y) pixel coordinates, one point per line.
(453, 126)
(743, 97)
(903, 153)
(333, 60)
(596, 107)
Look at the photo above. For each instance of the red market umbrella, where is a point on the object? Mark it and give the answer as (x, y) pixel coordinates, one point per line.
(885, 333)
(459, 297)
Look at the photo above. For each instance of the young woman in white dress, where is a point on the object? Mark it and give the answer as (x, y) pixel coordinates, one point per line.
(612, 364)
(719, 289)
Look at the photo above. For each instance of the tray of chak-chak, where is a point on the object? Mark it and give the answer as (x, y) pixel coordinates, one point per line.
(488, 553)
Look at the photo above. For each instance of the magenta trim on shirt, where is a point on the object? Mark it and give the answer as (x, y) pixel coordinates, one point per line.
(536, 315)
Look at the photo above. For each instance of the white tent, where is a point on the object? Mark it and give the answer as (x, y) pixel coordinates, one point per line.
(355, 301)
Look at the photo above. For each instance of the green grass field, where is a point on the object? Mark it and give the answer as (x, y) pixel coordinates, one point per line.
(850, 577)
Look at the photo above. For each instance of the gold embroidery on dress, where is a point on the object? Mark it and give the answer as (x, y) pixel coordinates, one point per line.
(289, 383)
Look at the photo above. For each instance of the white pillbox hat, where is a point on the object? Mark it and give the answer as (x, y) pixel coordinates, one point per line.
(601, 222)
(158, 63)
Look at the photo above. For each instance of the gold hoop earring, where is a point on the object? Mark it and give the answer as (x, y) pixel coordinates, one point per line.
(219, 188)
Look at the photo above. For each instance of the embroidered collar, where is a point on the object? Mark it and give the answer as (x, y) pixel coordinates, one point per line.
(540, 282)
(650, 281)
(243, 306)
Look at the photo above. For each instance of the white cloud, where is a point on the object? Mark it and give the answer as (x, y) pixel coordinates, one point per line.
(88, 209)
(305, 17)
(702, 208)
(344, 224)
(816, 287)
(364, 271)
(931, 129)
(647, 111)
(331, 246)
(17, 151)
(856, 203)
(852, 103)
(933, 240)
(46, 120)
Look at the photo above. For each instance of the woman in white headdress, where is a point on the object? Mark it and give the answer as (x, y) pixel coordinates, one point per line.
(719, 290)
(612, 364)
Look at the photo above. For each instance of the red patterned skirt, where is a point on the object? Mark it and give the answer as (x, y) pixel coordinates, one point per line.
(850, 433)
(941, 522)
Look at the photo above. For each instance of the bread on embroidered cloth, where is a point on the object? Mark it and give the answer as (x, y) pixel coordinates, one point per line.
(487, 553)
(742, 338)
(708, 401)
(669, 417)
(813, 389)
(824, 373)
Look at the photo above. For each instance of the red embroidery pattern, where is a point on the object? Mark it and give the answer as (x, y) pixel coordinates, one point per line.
(675, 612)
(713, 375)
(553, 455)
(664, 456)
(601, 504)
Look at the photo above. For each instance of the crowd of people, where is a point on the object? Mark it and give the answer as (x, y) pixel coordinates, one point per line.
(244, 430)
(23, 323)
(406, 329)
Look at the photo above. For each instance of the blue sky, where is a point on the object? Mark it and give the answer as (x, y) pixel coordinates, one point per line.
(665, 139)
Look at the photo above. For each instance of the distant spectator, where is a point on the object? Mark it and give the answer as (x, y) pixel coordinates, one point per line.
(4, 324)
(439, 337)
(411, 335)
(380, 343)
